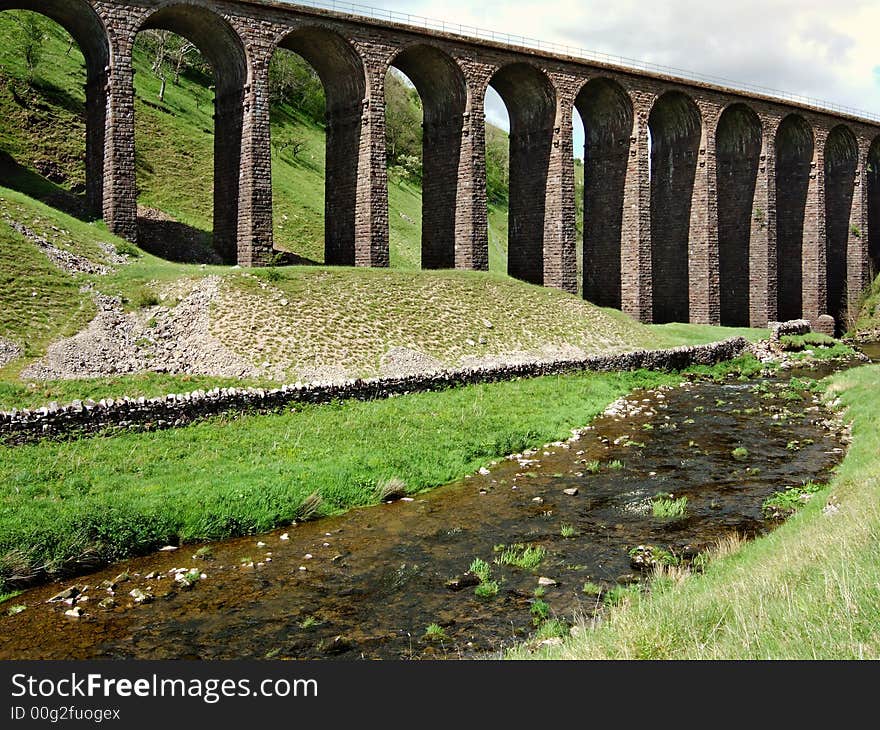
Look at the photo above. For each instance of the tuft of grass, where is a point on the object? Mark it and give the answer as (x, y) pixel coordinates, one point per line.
(487, 589)
(540, 611)
(593, 467)
(785, 503)
(665, 505)
(435, 632)
(567, 531)
(527, 557)
(740, 453)
(616, 465)
(391, 488)
(619, 595)
(481, 569)
(592, 589)
(553, 628)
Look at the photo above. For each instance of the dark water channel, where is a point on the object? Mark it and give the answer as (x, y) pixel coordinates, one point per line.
(368, 583)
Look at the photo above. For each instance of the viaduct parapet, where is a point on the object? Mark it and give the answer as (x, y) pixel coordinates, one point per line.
(741, 209)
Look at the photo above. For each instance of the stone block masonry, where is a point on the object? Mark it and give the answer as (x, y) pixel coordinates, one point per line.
(747, 208)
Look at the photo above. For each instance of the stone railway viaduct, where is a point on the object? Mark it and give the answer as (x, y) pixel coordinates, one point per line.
(741, 209)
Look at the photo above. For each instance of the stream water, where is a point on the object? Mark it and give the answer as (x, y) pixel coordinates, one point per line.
(367, 584)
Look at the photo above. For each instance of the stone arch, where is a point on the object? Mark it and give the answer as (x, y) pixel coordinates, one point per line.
(530, 98)
(442, 87)
(841, 161)
(873, 170)
(738, 140)
(606, 111)
(79, 19)
(794, 159)
(221, 45)
(341, 71)
(675, 126)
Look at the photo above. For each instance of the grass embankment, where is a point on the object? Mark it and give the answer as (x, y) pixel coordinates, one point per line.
(298, 318)
(809, 590)
(95, 500)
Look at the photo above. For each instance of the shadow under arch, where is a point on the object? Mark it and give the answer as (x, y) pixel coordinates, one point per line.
(794, 157)
(81, 21)
(606, 111)
(873, 170)
(675, 126)
(341, 72)
(441, 85)
(219, 43)
(738, 141)
(530, 98)
(841, 161)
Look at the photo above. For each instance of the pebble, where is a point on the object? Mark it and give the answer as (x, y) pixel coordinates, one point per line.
(538, 500)
(544, 581)
(285, 537)
(75, 612)
(168, 548)
(261, 544)
(572, 492)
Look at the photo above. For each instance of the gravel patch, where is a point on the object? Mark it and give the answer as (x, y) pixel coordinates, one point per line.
(66, 260)
(9, 351)
(158, 339)
(400, 362)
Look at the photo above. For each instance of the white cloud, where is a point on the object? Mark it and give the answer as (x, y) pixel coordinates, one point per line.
(813, 48)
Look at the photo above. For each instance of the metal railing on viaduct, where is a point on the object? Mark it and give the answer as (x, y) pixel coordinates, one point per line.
(701, 203)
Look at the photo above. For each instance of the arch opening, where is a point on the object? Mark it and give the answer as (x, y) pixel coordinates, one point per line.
(170, 174)
(675, 125)
(738, 153)
(318, 88)
(874, 206)
(841, 161)
(531, 106)
(794, 160)
(607, 115)
(50, 42)
(442, 90)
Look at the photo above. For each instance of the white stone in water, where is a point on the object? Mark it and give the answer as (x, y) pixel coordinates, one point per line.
(74, 612)
(261, 544)
(308, 556)
(168, 548)
(285, 536)
(302, 567)
(484, 471)
(544, 581)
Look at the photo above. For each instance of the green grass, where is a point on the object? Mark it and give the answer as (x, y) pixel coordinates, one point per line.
(868, 316)
(666, 506)
(132, 493)
(677, 334)
(808, 590)
(527, 557)
(785, 503)
(435, 632)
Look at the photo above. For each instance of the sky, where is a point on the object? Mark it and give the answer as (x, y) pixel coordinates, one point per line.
(823, 49)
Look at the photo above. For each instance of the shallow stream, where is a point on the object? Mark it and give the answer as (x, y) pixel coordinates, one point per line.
(367, 584)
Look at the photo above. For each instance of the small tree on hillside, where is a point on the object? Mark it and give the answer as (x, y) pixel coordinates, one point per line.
(29, 41)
